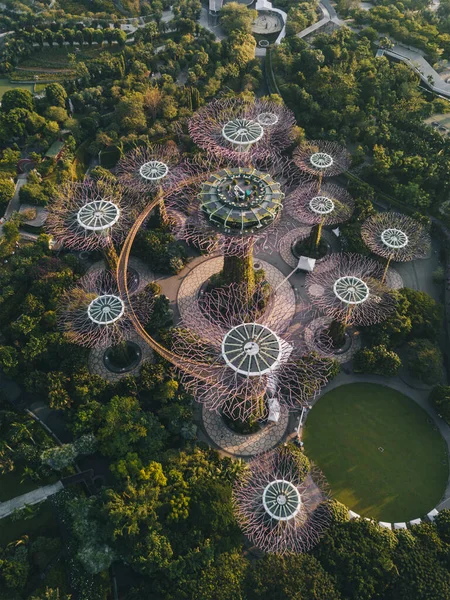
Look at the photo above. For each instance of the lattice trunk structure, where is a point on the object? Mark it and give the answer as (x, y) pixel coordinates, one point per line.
(348, 288)
(278, 506)
(251, 363)
(333, 205)
(92, 215)
(396, 237)
(93, 314)
(241, 131)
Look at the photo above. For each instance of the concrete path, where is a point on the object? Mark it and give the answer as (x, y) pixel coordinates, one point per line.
(34, 497)
(414, 59)
(246, 446)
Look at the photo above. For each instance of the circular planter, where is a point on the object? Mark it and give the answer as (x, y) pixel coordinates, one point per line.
(132, 365)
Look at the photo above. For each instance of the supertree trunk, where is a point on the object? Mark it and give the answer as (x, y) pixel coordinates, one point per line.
(336, 331)
(239, 269)
(111, 258)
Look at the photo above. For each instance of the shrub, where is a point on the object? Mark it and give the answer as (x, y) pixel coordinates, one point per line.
(440, 399)
(377, 360)
(425, 361)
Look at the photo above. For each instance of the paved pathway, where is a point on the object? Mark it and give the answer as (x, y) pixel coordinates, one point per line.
(97, 366)
(34, 497)
(187, 298)
(246, 446)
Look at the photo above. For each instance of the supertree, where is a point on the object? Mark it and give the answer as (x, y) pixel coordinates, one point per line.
(150, 170)
(93, 314)
(395, 237)
(348, 288)
(280, 502)
(322, 158)
(332, 206)
(91, 215)
(233, 210)
(242, 131)
(251, 360)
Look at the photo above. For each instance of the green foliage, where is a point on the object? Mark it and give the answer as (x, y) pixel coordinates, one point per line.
(17, 98)
(7, 189)
(377, 360)
(56, 95)
(161, 251)
(237, 17)
(440, 399)
(290, 577)
(425, 361)
(417, 315)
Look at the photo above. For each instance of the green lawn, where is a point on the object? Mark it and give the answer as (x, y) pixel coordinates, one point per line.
(343, 434)
(6, 84)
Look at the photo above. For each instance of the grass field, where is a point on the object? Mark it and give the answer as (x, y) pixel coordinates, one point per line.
(378, 450)
(6, 85)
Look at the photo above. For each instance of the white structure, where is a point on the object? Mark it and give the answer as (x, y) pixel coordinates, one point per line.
(415, 522)
(252, 350)
(400, 526)
(353, 515)
(106, 309)
(242, 133)
(99, 215)
(281, 500)
(385, 525)
(433, 514)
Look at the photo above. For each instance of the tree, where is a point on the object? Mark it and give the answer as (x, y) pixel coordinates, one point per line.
(7, 189)
(56, 95)
(126, 427)
(377, 360)
(17, 98)
(359, 557)
(292, 577)
(237, 17)
(425, 361)
(241, 48)
(440, 399)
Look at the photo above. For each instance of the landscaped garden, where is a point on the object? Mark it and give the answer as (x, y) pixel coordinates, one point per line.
(378, 450)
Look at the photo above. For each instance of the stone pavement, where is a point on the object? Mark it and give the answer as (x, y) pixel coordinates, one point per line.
(34, 497)
(246, 446)
(190, 287)
(97, 366)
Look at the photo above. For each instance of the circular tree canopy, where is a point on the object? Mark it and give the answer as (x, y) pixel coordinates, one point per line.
(351, 290)
(153, 170)
(242, 132)
(281, 500)
(251, 349)
(321, 160)
(106, 309)
(98, 215)
(241, 200)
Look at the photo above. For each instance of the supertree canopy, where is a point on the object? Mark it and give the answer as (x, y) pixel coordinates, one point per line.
(149, 168)
(251, 360)
(235, 208)
(322, 158)
(395, 237)
(331, 206)
(348, 288)
(280, 502)
(93, 314)
(88, 216)
(241, 130)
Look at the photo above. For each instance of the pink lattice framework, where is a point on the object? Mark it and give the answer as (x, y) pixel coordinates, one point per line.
(193, 225)
(250, 363)
(348, 288)
(93, 314)
(242, 131)
(396, 237)
(88, 216)
(332, 205)
(147, 169)
(281, 508)
(322, 158)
